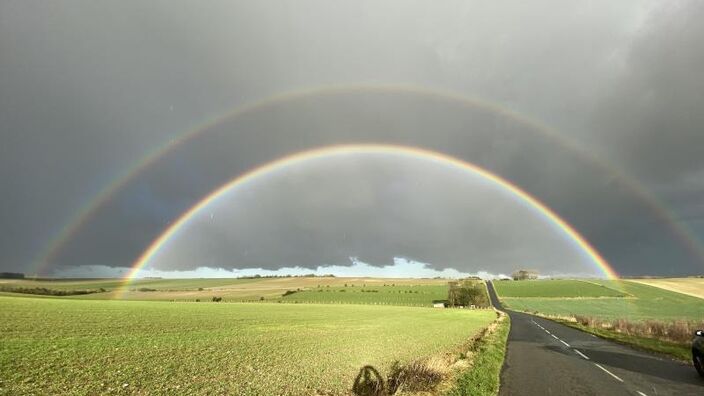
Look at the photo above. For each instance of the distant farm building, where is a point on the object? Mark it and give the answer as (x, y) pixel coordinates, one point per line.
(439, 303)
(525, 274)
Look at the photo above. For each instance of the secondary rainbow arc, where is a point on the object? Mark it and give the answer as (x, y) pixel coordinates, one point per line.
(88, 209)
(330, 151)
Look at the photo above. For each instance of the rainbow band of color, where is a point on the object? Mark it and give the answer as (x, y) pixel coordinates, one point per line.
(263, 170)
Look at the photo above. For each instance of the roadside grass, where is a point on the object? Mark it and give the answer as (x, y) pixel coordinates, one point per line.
(555, 288)
(68, 346)
(483, 378)
(388, 294)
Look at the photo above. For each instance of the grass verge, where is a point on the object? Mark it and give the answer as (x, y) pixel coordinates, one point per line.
(483, 378)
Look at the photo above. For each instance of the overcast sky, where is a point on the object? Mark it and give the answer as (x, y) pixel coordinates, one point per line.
(88, 89)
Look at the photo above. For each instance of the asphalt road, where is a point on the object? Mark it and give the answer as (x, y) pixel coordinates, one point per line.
(547, 358)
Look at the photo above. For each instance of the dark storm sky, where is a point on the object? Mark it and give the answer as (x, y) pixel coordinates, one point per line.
(88, 89)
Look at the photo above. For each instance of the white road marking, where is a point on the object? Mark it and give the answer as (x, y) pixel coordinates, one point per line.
(585, 356)
(535, 323)
(609, 372)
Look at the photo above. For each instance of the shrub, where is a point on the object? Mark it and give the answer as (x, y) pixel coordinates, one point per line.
(468, 293)
(217, 299)
(418, 376)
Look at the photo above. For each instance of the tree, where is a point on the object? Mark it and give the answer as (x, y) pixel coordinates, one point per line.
(466, 293)
(524, 274)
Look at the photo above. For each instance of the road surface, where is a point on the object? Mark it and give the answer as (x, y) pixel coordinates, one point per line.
(547, 358)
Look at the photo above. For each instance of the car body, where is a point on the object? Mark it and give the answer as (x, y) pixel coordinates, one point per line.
(698, 351)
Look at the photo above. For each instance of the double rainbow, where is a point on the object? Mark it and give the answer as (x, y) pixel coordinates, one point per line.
(48, 255)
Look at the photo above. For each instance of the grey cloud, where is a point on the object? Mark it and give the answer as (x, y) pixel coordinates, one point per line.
(87, 89)
(650, 116)
(577, 188)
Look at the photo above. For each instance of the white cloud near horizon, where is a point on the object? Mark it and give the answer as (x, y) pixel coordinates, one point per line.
(401, 268)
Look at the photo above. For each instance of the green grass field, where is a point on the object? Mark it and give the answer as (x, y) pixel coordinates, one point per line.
(231, 290)
(644, 302)
(419, 295)
(72, 346)
(112, 283)
(555, 288)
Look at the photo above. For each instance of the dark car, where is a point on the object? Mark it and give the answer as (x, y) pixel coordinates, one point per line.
(698, 351)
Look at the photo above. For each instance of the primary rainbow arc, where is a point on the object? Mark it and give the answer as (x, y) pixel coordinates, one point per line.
(414, 152)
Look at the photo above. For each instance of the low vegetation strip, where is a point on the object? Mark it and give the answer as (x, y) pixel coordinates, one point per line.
(678, 331)
(389, 294)
(633, 335)
(47, 292)
(66, 346)
(555, 288)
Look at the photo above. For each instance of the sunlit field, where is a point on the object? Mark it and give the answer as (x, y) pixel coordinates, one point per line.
(690, 286)
(567, 288)
(642, 302)
(72, 346)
